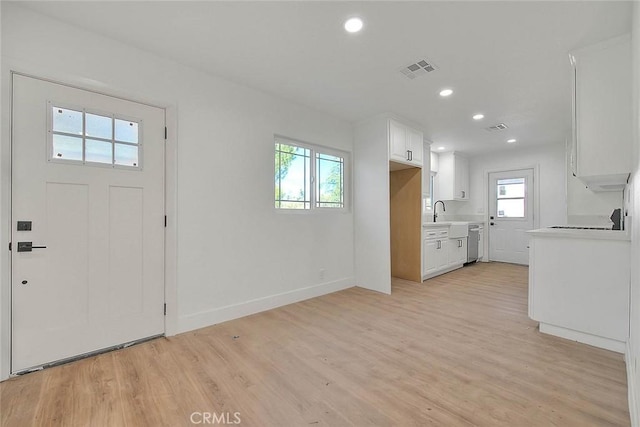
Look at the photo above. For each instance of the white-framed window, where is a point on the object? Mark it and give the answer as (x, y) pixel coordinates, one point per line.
(310, 177)
(82, 136)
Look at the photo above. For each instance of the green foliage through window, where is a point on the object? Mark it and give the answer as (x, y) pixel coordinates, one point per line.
(301, 183)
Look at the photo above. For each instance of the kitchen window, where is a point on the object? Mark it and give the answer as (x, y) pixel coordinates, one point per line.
(309, 177)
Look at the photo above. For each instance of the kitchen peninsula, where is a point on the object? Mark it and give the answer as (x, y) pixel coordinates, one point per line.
(579, 285)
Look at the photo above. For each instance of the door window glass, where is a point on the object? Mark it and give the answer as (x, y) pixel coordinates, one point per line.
(77, 135)
(511, 198)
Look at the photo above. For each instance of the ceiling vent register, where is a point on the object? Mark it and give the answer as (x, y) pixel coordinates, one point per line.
(499, 126)
(420, 68)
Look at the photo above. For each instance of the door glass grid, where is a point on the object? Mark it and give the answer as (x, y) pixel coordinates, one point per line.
(511, 198)
(89, 138)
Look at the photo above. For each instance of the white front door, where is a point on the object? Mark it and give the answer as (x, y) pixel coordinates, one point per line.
(88, 197)
(510, 215)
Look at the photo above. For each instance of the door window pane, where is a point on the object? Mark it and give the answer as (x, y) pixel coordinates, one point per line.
(126, 155)
(68, 121)
(126, 131)
(98, 152)
(67, 147)
(98, 126)
(510, 208)
(510, 188)
(96, 141)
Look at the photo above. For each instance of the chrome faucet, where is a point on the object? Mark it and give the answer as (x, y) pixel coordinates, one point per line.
(435, 213)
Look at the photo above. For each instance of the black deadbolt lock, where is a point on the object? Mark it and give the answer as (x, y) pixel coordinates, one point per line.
(24, 225)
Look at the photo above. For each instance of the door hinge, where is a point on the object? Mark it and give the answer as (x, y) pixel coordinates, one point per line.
(165, 132)
(165, 221)
(9, 245)
(165, 308)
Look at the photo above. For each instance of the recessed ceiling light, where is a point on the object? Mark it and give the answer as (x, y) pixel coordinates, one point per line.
(478, 117)
(440, 148)
(511, 141)
(446, 92)
(353, 25)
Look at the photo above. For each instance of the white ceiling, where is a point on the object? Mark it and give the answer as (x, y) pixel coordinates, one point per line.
(507, 60)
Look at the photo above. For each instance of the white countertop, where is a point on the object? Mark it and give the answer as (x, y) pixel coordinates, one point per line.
(448, 223)
(581, 234)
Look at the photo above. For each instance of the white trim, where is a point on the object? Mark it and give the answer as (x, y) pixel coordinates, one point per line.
(594, 340)
(171, 231)
(235, 311)
(631, 386)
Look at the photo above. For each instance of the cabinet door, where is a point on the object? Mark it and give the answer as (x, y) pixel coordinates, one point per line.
(603, 109)
(461, 178)
(443, 254)
(415, 144)
(453, 252)
(462, 251)
(480, 244)
(397, 142)
(430, 256)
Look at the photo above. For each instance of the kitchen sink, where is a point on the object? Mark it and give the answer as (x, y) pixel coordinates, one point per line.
(458, 229)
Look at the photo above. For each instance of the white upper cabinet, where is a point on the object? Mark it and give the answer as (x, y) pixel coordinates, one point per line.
(602, 117)
(453, 177)
(405, 144)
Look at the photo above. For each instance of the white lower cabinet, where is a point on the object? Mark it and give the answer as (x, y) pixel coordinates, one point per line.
(442, 259)
(434, 253)
(430, 255)
(441, 253)
(457, 251)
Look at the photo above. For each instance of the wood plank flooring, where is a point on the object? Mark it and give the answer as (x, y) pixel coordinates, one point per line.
(457, 350)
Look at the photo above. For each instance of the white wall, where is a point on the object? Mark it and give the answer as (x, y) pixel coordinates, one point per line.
(549, 159)
(233, 247)
(633, 347)
(372, 207)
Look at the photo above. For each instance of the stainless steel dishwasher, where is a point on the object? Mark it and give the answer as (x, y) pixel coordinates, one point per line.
(472, 243)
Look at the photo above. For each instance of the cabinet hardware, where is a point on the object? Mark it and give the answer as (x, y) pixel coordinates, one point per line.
(463, 194)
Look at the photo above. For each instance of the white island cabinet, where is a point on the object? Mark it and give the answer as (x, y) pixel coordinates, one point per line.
(579, 285)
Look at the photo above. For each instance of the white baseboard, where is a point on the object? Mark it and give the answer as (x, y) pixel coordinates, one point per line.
(631, 386)
(235, 311)
(594, 340)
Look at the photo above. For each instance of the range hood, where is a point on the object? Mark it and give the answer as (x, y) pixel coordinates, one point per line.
(600, 183)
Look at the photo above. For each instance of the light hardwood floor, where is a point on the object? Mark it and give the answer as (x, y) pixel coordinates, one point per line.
(457, 350)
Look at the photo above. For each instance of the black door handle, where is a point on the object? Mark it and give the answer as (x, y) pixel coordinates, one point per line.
(28, 246)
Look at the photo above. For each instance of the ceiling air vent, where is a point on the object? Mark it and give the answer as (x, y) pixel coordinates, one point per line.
(499, 126)
(417, 69)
